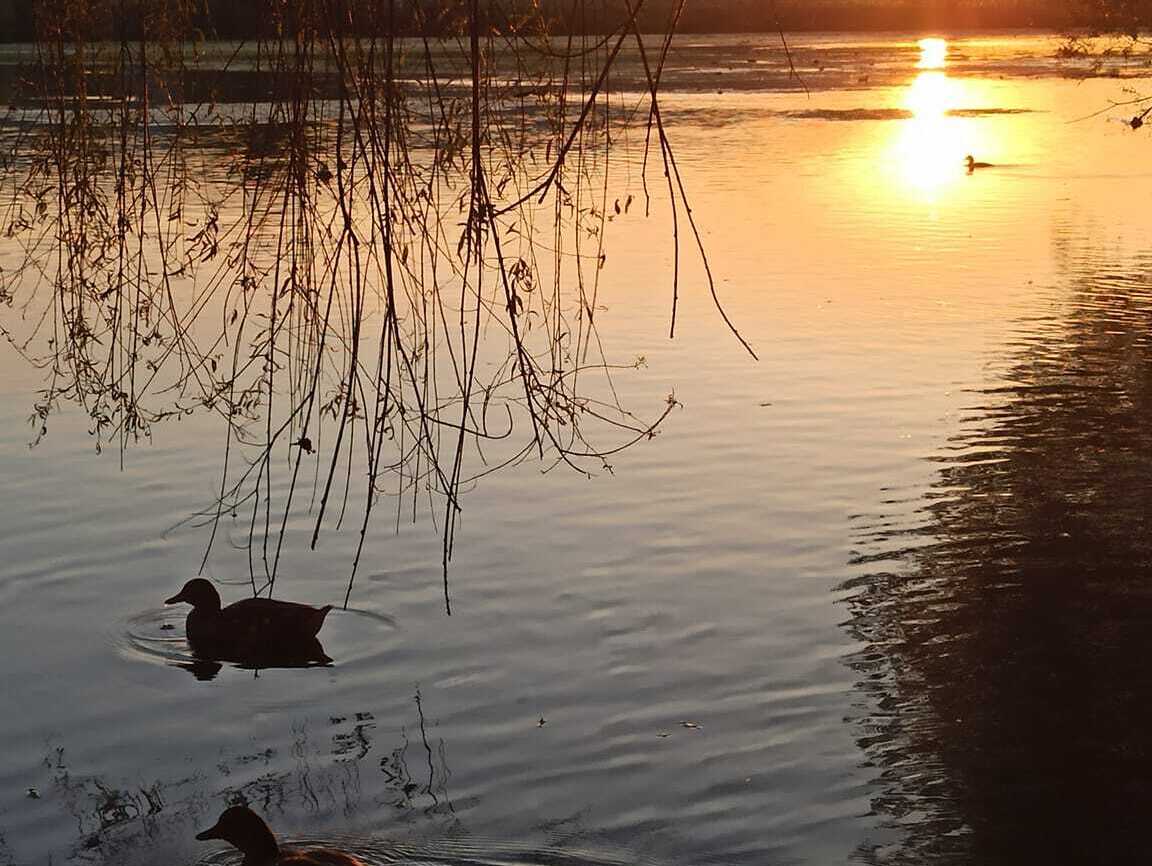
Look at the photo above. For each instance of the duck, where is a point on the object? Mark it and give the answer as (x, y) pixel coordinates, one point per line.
(970, 160)
(253, 625)
(245, 830)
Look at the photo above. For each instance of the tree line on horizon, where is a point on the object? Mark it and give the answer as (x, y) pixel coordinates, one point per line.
(229, 20)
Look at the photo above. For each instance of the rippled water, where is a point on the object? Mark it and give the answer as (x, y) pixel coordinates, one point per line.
(881, 597)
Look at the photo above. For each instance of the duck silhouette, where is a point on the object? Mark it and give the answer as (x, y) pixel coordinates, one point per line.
(972, 164)
(262, 632)
(244, 829)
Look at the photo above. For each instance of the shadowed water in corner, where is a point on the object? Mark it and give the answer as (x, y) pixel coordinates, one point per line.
(1007, 613)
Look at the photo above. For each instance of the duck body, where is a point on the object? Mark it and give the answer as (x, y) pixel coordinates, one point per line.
(245, 830)
(309, 857)
(255, 620)
(251, 627)
(972, 164)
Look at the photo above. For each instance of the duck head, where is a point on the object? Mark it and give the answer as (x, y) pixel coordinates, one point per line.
(199, 593)
(245, 830)
(971, 161)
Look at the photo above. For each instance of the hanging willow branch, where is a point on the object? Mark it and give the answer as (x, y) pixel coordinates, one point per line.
(359, 239)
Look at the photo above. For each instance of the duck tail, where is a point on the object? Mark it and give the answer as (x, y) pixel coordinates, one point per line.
(318, 619)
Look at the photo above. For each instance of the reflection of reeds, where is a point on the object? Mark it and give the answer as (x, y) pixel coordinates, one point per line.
(430, 792)
(383, 262)
(120, 820)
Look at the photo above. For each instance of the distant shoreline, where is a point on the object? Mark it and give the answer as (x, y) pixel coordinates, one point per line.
(225, 20)
(950, 32)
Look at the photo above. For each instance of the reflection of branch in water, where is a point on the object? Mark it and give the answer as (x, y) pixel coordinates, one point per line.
(379, 268)
(394, 766)
(430, 787)
(121, 823)
(355, 742)
(109, 819)
(1005, 615)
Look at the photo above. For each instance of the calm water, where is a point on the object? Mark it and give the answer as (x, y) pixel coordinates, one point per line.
(881, 597)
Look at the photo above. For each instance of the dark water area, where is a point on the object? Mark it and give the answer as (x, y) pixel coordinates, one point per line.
(882, 597)
(1006, 613)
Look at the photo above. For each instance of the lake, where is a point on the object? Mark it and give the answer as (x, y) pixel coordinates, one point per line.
(882, 596)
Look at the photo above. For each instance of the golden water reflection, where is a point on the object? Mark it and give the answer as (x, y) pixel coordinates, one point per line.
(933, 54)
(930, 148)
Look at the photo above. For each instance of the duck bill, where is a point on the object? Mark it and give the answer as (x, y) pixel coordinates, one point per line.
(176, 599)
(210, 833)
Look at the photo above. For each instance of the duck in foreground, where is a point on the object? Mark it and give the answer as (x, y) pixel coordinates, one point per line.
(256, 624)
(245, 830)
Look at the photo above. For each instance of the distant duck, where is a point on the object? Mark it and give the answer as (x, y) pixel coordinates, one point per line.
(250, 626)
(245, 830)
(972, 164)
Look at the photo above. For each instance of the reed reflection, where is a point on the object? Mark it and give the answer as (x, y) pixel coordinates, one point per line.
(318, 770)
(1006, 616)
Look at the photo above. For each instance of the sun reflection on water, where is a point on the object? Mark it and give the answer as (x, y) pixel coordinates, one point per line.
(933, 54)
(930, 148)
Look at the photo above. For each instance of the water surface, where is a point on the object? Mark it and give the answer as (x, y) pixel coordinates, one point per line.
(880, 597)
